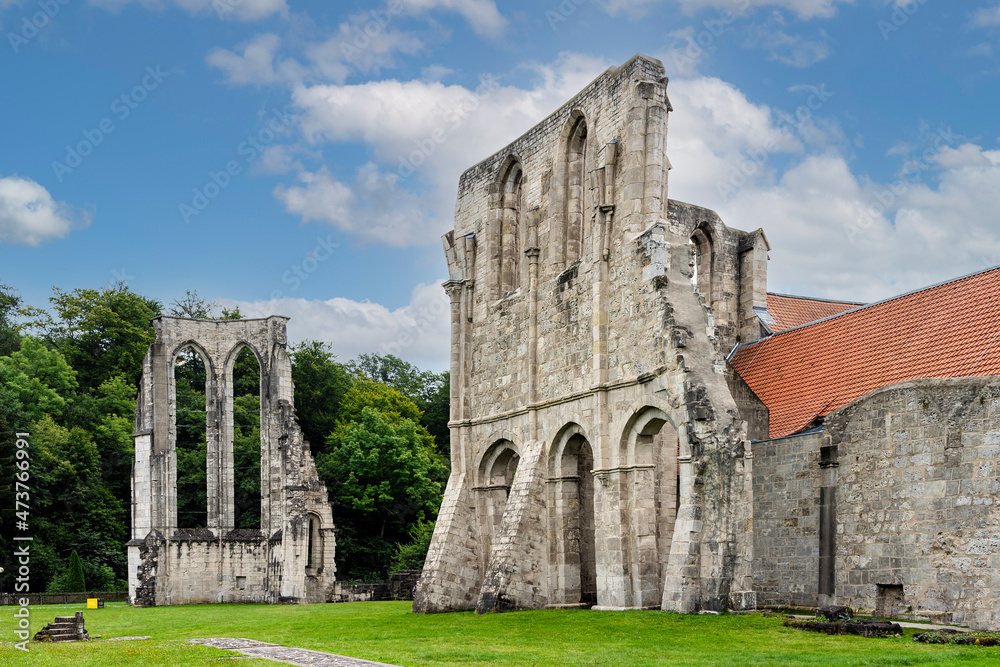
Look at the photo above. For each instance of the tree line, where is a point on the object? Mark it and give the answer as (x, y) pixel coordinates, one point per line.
(377, 427)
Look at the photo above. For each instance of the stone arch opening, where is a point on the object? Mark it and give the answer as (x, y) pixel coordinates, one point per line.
(572, 503)
(496, 477)
(511, 214)
(576, 179)
(703, 251)
(190, 431)
(648, 485)
(243, 444)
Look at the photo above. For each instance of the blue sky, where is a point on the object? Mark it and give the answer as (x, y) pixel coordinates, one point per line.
(275, 154)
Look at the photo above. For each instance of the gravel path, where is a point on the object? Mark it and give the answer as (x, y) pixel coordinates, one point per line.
(291, 656)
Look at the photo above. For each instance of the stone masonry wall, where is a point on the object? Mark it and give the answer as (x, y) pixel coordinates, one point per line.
(217, 563)
(786, 521)
(917, 504)
(906, 481)
(603, 344)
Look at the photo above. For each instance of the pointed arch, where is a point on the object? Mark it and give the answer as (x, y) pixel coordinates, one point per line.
(192, 432)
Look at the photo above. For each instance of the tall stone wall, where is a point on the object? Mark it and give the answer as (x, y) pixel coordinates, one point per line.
(905, 480)
(579, 336)
(291, 557)
(786, 485)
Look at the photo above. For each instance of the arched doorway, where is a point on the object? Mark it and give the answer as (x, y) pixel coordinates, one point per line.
(575, 543)
(649, 489)
(496, 476)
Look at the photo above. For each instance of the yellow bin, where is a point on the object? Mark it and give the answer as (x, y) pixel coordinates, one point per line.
(91, 603)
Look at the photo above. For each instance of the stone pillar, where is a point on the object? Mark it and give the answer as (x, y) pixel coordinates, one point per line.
(828, 525)
(753, 285)
(653, 202)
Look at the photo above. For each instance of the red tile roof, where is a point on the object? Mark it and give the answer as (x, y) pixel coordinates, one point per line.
(950, 330)
(789, 312)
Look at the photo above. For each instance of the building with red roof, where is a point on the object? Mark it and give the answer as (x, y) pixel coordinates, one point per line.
(876, 448)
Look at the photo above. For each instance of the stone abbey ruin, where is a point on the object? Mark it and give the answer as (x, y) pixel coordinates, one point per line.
(290, 558)
(636, 423)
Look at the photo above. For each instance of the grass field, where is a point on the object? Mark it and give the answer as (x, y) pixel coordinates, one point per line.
(388, 632)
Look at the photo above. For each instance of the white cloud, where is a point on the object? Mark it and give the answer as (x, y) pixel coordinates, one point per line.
(241, 10)
(418, 332)
(256, 65)
(423, 135)
(987, 17)
(966, 155)
(365, 52)
(482, 15)
(804, 9)
(374, 208)
(29, 215)
(834, 233)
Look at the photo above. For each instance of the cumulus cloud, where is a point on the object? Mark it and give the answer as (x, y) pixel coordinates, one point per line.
(418, 332)
(256, 64)
(422, 134)
(352, 48)
(30, 216)
(373, 208)
(240, 10)
(834, 233)
(804, 9)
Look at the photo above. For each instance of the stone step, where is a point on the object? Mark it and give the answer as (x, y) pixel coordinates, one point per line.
(65, 619)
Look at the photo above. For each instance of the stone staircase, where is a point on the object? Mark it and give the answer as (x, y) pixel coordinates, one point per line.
(64, 629)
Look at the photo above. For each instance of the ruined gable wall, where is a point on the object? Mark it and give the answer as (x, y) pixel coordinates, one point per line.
(600, 344)
(218, 563)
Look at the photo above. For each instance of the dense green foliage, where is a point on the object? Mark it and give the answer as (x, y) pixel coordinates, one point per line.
(377, 426)
(389, 633)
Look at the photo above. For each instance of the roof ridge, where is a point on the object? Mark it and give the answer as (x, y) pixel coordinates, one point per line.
(816, 298)
(883, 301)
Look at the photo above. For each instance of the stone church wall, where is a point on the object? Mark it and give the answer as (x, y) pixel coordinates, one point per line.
(914, 511)
(598, 456)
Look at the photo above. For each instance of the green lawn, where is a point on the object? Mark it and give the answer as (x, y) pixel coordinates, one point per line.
(388, 632)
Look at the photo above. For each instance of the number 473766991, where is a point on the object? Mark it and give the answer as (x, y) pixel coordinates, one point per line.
(21, 488)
